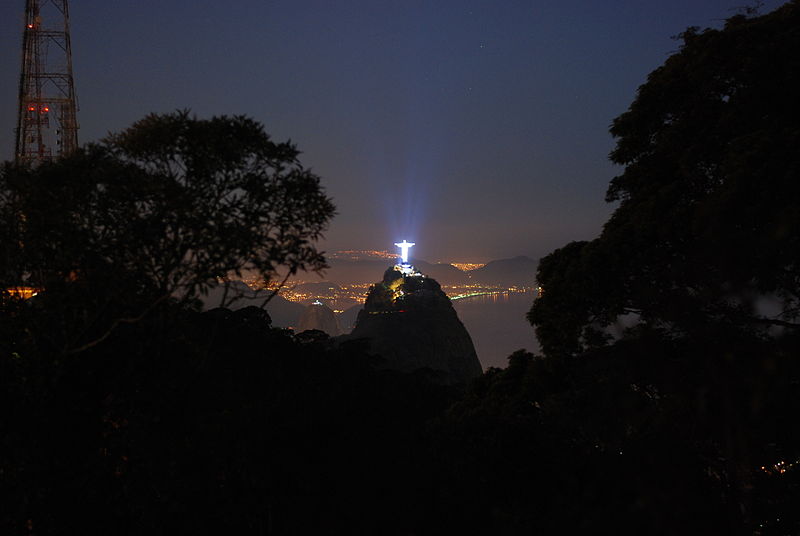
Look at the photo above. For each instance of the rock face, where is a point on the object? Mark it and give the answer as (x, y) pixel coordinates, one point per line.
(320, 317)
(411, 323)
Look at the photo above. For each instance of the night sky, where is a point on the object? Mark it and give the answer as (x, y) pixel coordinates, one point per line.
(477, 129)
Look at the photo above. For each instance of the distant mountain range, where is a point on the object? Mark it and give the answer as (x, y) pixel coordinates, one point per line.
(518, 271)
(445, 274)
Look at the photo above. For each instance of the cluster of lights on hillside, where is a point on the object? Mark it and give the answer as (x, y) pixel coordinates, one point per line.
(468, 266)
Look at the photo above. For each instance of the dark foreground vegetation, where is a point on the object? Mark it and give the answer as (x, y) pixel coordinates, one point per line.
(666, 400)
(214, 423)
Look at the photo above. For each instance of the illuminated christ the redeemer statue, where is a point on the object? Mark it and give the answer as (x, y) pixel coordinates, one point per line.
(404, 247)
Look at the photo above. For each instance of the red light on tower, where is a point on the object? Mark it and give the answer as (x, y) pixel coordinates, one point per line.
(46, 76)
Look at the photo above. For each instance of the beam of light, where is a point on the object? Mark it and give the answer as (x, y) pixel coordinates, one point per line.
(409, 176)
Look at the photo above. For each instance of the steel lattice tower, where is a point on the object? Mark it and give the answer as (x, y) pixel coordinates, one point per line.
(47, 127)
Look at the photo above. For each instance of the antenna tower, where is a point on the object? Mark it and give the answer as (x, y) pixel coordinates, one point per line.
(47, 127)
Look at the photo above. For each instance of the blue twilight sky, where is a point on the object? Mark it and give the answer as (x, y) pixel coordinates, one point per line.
(477, 129)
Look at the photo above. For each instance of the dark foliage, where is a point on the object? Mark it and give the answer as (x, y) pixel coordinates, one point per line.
(707, 226)
(190, 423)
(161, 211)
(693, 287)
(216, 423)
(213, 423)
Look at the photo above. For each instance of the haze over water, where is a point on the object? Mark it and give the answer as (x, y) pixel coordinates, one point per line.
(497, 325)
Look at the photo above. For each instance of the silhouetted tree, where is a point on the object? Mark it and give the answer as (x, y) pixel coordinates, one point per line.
(708, 216)
(697, 272)
(161, 211)
(211, 423)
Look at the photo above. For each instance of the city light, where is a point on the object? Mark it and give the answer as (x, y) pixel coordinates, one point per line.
(468, 266)
(361, 254)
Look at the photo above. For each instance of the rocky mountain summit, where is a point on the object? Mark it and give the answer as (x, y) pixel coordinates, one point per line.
(411, 323)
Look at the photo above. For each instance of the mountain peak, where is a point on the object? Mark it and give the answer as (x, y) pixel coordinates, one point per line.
(411, 323)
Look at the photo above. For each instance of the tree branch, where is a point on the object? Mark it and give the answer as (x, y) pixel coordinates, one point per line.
(274, 292)
(115, 324)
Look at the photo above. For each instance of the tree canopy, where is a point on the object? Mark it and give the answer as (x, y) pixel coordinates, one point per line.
(709, 197)
(692, 290)
(160, 211)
